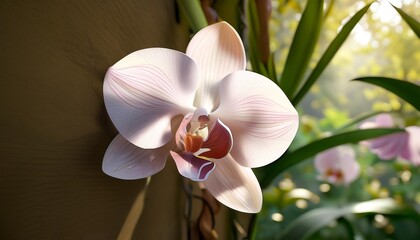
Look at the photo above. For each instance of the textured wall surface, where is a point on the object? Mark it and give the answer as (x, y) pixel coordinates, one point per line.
(54, 127)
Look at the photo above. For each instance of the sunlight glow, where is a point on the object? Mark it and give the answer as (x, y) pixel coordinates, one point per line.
(278, 217)
(301, 203)
(300, 193)
(380, 221)
(417, 198)
(389, 229)
(384, 12)
(324, 187)
(375, 185)
(394, 181)
(362, 35)
(383, 193)
(405, 176)
(286, 184)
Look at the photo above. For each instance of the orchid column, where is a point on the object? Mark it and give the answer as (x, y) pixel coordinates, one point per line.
(214, 118)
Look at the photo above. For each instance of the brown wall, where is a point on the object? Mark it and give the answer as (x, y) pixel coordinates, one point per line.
(53, 124)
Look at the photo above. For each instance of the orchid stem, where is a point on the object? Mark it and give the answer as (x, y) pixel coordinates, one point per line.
(252, 226)
(134, 214)
(188, 206)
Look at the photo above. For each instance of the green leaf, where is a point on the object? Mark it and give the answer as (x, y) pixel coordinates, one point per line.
(329, 54)
(303, 45)
(271, 68)
(350, 229)
(312, 221)
(268, 173)
(414, 25)
(329, 9)
(133, 216)
(254, 52)
(194, 14)
(359, 119)
(405, 90)
(383, 206)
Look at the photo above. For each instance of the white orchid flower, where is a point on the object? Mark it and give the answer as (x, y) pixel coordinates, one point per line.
(203, 108)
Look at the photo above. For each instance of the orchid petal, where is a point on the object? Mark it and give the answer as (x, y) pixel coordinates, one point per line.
(182, 131)
(379, 142)
(342, 160)
(262, 119)
(367, 125)
(235, 186)
(325, 160)
(352, 171)
(384, 120)
(389, 147)
(142, 94)
(218, 51)
(414, 144)
(348, 164)
(219, 141)
(124, 160)
(395, 146)
(192, 167)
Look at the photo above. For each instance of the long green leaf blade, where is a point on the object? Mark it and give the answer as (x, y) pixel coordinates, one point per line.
(312, 221)
(303, 45)
(271, 68)
(252, 33)
(359, 119)
(329, 54)
(407, 91)
(254, 51)
(383, 206)
(194, 14)
(268, 173)
(414, 25)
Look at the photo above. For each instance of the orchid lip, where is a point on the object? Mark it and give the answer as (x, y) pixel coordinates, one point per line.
(201, 140)
(192, 142)
(192, 167)
(204, 136)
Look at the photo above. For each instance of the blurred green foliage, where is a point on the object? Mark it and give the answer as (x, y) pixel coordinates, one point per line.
(322, 46)
(381, 44)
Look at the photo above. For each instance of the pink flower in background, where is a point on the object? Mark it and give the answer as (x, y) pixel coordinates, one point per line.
(337, 165)
(405, 145)
(215, 119)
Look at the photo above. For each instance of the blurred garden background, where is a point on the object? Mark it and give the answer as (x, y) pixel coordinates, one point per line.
(342, 63)
(380, 44)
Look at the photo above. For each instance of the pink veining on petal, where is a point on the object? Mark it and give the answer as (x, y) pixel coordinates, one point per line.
(218, 51)
(192, 167)
(182, 131)
(390, 146)
(261, 118)
(235, 186)
(220, 101)
(413, 146)
(141, 96)
(126, 161)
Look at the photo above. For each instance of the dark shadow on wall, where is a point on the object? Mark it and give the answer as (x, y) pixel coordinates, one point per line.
(54, 126)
